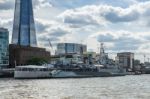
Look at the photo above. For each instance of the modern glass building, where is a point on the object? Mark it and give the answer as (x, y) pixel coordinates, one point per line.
(24, 26)
(4, 43)
(71, 48)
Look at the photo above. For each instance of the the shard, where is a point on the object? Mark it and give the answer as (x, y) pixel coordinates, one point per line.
(24, 26)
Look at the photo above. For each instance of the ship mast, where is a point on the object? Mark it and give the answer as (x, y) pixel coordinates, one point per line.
(102, 51)
(103, 56)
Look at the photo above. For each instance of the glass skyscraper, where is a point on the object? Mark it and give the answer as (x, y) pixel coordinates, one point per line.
(4, 43)
(24, 27)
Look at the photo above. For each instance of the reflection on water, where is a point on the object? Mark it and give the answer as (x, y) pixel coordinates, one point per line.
(128, 87)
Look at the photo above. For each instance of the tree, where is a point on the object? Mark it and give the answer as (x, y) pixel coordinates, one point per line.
(37, 61)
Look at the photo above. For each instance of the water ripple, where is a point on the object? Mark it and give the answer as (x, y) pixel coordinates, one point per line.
(128, 87)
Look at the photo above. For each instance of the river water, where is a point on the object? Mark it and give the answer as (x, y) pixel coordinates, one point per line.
(127, 87)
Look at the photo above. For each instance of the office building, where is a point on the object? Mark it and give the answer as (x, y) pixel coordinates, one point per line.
(71, 48)
(24, 28)
(126, 60)
(4, 43)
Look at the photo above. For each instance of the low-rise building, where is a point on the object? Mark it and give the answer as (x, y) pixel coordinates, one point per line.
(4, 45)
(20, 55)
(126, 60)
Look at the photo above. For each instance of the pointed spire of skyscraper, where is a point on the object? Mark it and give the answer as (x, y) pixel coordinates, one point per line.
(24, 26)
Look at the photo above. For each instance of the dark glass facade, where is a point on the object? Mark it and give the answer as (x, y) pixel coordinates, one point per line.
(24, 27)
(4, 42)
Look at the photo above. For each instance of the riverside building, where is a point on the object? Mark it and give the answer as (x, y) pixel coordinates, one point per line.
(126, 60)
(71, 48)
(69, 53)
(4, 43)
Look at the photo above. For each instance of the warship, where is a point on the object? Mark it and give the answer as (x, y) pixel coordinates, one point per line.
(105, 67)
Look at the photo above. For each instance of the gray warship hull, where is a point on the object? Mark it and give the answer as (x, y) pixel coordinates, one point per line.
(82, 74)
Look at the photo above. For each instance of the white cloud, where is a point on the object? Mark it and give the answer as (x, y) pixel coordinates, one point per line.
(6, 4)
(121, 40)
(102, 14)
(123, 25)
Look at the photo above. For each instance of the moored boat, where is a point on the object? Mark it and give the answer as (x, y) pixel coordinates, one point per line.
(32, 71)
(86, 71)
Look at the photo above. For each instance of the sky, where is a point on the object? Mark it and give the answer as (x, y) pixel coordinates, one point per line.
(123, 25)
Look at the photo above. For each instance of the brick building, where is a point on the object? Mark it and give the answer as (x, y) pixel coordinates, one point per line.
(19, 55)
